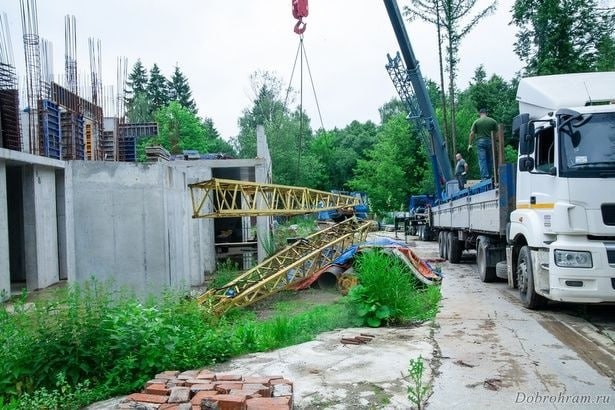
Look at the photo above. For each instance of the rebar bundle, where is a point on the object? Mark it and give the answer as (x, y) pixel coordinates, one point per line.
(31, 41)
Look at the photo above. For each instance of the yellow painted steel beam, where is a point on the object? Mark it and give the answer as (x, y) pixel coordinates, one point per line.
(217, 198)
(293, 263)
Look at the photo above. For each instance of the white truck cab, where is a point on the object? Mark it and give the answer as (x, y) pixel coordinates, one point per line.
(561, 237)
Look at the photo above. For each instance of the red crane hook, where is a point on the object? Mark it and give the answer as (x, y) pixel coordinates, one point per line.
(300, 10)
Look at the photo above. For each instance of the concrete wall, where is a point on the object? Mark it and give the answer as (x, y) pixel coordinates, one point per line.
(130, 224)
(5, 273)
(28, 219)
(40, 226)
(201, 230)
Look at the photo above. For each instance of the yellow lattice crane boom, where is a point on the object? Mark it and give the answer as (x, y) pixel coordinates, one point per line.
(230, 198)
(292, 264)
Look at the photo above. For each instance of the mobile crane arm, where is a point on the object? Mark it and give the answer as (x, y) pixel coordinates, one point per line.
(412, 90)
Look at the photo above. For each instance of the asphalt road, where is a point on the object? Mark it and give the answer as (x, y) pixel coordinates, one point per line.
(492, 352)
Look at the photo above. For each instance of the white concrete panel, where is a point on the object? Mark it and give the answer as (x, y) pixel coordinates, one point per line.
(40, 226)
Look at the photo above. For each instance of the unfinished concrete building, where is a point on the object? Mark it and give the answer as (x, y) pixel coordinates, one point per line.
(126, 222)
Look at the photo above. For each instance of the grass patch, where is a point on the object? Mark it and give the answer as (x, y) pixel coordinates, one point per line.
(388, 293)
(92, 342)
(226, 271)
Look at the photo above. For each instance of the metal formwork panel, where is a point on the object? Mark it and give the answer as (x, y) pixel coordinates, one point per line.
(50, 140)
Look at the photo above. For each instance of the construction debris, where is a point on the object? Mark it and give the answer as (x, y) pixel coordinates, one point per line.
(357, 340)
(292, 264)
(203, 389)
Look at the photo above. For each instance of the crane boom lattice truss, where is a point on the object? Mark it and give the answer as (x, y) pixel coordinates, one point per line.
(292, 264)
(216, 198)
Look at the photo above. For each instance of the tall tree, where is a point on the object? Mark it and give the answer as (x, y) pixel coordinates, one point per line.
(179, 130)
(157, 89)
(288, 141)
(139, 110)
(563, 36)
(394, 167)
(179, 90)
(390, 109)
(219, 145)
(456, 19)
(136, 92)
(137, 79)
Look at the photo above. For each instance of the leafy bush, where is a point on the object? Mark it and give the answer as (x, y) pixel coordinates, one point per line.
(106, 343)
(387, 293)
(226, 271)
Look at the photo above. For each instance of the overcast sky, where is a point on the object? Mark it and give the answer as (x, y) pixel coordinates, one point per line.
(219, 43)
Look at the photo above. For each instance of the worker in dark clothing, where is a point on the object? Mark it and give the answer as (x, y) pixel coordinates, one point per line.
(461, 169)
(484, 129)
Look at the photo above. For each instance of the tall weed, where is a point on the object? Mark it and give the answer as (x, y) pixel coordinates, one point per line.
(387, 293)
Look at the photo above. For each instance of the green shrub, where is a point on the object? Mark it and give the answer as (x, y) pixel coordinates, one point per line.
(106, 343)
(226, 271)
(387, 293)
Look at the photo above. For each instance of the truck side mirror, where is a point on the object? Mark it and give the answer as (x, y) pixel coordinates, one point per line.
(526, 139)
(526, 163)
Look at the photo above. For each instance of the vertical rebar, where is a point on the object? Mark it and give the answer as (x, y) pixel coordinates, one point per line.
(29, 23)
(70, 60)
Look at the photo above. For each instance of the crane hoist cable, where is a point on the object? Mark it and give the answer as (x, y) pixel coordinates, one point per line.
(301, 10)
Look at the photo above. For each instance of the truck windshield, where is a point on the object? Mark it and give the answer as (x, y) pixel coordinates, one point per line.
(588, 145)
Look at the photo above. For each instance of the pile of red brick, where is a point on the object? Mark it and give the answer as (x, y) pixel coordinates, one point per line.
(204, 390)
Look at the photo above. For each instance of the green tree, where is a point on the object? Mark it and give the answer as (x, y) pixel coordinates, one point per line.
(563, 36)
(137, 80)
(139, 110)
(495, 94)
(219, 145)
(157, 89)
(390, 109)
(267, 109)
(339, 150)
(289, 134)
(179, 90)
(337, 161)
(136, 99)
(395, 167)
(456, 18)
(606, 53)
(179, 130)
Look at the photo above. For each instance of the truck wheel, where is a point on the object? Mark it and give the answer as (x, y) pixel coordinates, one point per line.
(445, 245)
(525, 280)
(501, 270)
(486, 273)
(454, 248)
(441, 244)
(422, 233)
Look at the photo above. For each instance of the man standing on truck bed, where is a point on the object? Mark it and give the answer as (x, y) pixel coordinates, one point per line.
(483, 128)
(461, 168)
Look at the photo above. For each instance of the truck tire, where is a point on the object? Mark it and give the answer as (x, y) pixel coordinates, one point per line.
(525, 279)
(441, 244)
(445, 245)
(486, 273)
(454, 248)
(501, 270)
